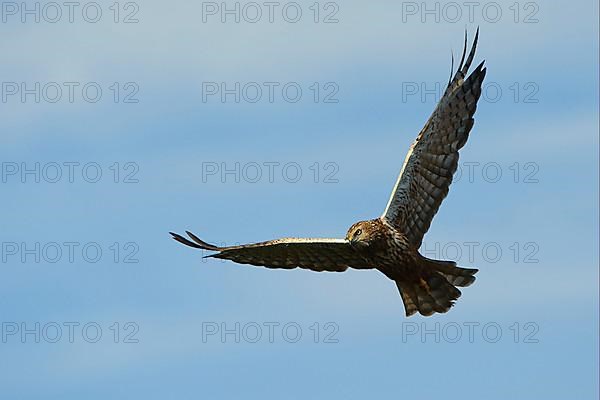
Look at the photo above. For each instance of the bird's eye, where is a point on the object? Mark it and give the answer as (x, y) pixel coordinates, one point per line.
(358, 232)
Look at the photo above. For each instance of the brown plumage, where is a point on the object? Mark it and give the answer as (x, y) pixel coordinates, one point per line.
(390, 243)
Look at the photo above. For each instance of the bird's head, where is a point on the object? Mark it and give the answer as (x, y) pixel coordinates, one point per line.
(364, 233)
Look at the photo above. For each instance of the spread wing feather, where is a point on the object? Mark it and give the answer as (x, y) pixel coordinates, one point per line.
(433, 157)
(334, 255)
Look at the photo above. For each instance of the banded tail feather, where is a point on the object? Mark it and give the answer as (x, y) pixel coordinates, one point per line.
(436, 288)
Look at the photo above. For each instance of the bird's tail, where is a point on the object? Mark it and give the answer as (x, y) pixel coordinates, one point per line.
(435, 289)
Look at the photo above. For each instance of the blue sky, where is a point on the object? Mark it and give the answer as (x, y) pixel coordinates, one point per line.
(532, 230)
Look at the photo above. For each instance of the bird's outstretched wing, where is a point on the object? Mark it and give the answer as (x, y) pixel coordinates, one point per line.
(334, 255)
(433, 157)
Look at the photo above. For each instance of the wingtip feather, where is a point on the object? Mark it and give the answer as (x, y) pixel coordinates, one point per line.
(202, 243)
(467, 65)
(464, 53)
(183, 240)
(197, 243)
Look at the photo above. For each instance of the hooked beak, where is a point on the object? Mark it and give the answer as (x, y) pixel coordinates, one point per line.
(355, 242)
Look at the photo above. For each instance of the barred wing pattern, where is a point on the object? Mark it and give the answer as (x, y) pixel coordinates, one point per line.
(433, 157)
(333, 255)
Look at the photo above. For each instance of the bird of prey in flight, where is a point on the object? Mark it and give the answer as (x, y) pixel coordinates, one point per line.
(390, 243)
